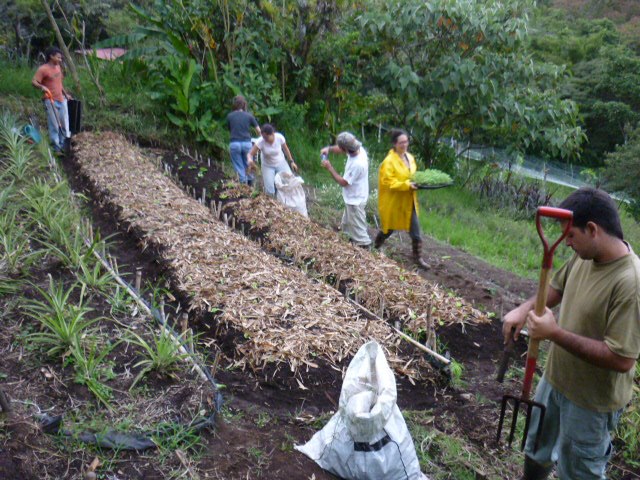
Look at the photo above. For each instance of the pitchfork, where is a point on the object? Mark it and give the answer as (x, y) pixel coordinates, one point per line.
(532, 352)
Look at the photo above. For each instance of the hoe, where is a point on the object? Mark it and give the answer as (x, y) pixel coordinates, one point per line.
(532, 353)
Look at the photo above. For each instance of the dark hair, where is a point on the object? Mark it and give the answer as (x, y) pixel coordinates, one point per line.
(396, 133)
(239, 103)
(267, 128)
(51, 51)
(594, 205)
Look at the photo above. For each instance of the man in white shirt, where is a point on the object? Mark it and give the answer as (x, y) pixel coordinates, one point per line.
(355, 186)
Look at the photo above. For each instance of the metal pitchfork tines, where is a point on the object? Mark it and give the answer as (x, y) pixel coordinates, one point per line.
(532, 353)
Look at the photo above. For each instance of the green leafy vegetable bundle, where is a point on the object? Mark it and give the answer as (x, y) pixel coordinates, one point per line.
(430, 177)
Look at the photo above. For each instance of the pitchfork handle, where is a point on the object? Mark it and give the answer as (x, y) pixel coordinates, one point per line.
(532, 351)
(543, 285)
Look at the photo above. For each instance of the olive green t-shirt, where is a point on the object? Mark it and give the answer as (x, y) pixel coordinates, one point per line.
(599, 301)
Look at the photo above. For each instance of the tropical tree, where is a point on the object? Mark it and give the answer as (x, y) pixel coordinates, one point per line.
(23, 21)
(459, 67)
(622, 171)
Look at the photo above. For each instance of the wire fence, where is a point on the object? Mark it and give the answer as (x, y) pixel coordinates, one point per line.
(527, 165)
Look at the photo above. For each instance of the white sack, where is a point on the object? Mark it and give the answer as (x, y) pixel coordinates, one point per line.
(289, 191)
(368, 438)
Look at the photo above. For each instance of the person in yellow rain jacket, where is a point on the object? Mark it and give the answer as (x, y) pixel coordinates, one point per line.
(397, 198)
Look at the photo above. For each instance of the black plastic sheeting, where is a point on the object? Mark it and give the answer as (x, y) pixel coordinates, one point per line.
(115, 440)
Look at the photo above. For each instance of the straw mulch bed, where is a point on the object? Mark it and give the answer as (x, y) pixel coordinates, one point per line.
(376, 282)
(278, 315)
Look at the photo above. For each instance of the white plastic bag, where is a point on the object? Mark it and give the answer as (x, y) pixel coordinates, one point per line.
(368, 438)
(289, 191)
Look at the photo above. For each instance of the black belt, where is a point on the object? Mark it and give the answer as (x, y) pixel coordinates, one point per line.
(371, 447)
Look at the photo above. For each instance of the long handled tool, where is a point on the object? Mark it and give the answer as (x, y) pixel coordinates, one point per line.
(532, 352)
(61, 132)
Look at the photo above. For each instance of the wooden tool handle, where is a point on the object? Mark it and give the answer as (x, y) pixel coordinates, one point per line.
(532, 352)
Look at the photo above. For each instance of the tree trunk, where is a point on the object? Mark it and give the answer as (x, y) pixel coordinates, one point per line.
(63, 46)
(16, 28)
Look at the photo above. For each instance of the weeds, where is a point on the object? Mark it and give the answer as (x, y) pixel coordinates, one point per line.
(516, 195)
(447, 456)
(170, 437)
(629, 426)
(263, 419)
(457, 369)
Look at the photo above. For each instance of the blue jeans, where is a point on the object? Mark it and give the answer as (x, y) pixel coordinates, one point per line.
(579, 440)
(269, 175)
(57, 133)
(239, 151)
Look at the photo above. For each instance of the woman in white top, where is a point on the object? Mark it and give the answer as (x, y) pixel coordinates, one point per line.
(273, 147)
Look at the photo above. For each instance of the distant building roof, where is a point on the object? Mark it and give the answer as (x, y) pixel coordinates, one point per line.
(104, 53)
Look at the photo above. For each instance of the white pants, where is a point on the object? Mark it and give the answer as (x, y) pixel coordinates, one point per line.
(354, 224)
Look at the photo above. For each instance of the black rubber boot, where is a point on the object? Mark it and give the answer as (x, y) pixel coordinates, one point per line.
(417, 251)
(535, 471)
(380, 238)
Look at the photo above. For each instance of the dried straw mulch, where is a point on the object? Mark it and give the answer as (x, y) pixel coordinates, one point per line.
(378, 283)
(280, 315)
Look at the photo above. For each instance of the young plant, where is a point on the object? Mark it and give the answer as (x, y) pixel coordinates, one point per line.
(162, 354)
(15, 251)
(18, 153)
(64, 324)
(121, 302)
(92, 370)
(457, 370)
(93, 276)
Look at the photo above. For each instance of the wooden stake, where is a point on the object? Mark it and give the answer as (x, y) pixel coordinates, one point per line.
(184, 323)
(214, 367)
(189, 335)
(138, 278)
(404, 336)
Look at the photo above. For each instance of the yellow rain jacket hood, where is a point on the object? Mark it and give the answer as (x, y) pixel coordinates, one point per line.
(396, 199)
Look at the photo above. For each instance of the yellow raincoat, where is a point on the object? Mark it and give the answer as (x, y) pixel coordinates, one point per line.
(396, 199)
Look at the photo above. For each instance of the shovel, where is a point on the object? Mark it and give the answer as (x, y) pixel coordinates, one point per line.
(532, 352)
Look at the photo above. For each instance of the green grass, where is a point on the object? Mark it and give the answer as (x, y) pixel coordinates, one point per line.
(126, 103)
(457, 217)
